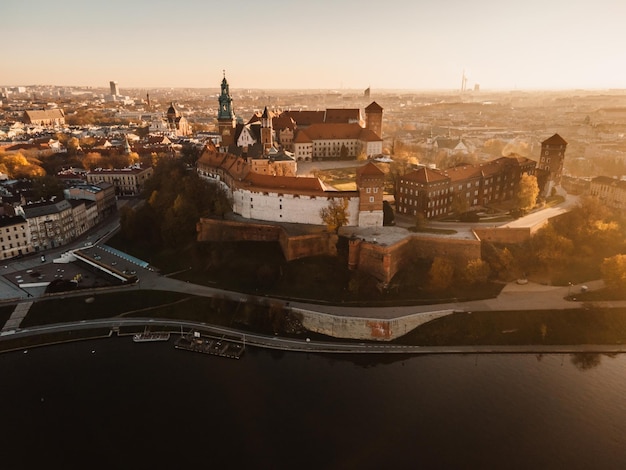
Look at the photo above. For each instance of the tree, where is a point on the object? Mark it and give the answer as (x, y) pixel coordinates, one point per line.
(476, 271)
(549, 247)
(73, 144)
(441, 273)
(614, 272)
(527, 192)
(335, 215)
(44, 187)
(459, 204)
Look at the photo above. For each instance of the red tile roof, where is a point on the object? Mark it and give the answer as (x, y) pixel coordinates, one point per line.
(374, 107)
(425, 175)
(338, 116)
(369, 169)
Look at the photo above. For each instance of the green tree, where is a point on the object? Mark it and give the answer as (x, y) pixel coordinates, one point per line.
(527, 192)
(614, 272)
(335, 215)
(44, 187)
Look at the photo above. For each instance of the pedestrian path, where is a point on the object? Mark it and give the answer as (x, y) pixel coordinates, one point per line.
(20, 312)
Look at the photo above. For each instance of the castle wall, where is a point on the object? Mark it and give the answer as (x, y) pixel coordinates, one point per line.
(508, 235)
(293, 246)
(287, 207)
(383, 262)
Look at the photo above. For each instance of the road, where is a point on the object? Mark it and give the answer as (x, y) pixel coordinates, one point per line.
(307, 345)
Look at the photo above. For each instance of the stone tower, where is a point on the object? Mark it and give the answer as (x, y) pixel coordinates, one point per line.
(370, 181)
(374, 118)
(226, 116)
(551, 162)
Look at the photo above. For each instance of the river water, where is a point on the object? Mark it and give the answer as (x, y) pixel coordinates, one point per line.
(112, 403)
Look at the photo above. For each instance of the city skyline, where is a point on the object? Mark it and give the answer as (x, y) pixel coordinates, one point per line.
(425, 45)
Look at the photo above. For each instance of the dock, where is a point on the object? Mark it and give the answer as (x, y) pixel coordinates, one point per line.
(222, 347)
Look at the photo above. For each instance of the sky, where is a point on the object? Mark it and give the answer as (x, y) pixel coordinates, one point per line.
(324, 44)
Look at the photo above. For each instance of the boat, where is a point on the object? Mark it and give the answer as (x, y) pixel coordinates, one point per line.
(147, 336)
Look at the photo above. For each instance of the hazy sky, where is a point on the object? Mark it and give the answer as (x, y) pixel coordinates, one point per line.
(406, 44)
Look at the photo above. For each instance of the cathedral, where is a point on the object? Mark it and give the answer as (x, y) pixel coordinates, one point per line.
(260, 174)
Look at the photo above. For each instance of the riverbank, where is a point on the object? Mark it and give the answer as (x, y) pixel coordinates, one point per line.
(526, 329)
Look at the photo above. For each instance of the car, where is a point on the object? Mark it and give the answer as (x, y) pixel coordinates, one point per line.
(43, 258)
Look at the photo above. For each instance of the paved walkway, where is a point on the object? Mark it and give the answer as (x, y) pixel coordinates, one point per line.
(20, 312)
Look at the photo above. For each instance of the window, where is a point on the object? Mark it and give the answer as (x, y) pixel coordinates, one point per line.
(371, 198)
(368, 190)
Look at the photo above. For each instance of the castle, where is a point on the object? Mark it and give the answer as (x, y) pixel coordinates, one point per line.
(259, 173)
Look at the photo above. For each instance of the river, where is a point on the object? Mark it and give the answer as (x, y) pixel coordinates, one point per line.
(112, 403)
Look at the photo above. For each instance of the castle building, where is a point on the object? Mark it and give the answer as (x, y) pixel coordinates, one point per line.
(374, 118)
(435, 193)
(261, 176)
(310, 135)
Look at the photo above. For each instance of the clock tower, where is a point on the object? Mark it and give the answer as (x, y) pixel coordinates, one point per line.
(226, 116)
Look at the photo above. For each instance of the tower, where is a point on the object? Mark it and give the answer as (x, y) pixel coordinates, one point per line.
(225, 115)
(374, 118)
(370, 181)
(266, 131)
(551, 162)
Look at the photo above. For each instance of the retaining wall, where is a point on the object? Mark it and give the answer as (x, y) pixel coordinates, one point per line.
(365, 328)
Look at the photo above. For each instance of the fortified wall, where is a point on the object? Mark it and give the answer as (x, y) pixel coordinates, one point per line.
(293, 246)
(508, 235)
(383, 262)
(378, 260)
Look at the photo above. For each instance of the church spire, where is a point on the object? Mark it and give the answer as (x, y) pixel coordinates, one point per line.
(226, 101)
(225, 115)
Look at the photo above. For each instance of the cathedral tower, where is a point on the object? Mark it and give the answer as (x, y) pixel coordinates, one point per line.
(226, 116)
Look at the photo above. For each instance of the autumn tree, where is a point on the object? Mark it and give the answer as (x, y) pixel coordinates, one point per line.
(335, 215)
(527, 192)
(549, 248)
(17, 165)
(614, 272)
(500, 260)
(92, 160)
(476, 271)
(441, 274)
